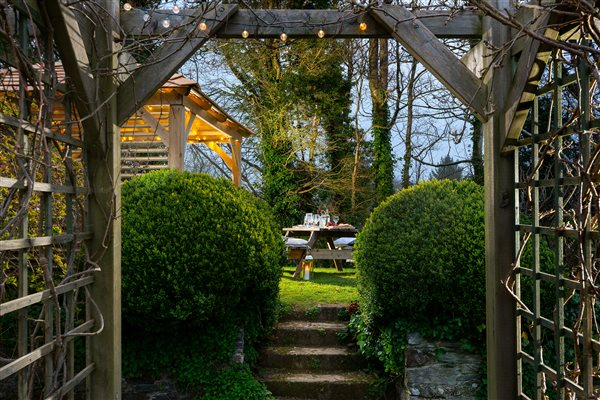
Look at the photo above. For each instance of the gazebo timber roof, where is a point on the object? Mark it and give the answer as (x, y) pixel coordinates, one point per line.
(150, 140)
(179, 113)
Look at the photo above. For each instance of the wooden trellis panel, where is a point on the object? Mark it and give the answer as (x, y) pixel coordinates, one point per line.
(45, 300)
(556, 232)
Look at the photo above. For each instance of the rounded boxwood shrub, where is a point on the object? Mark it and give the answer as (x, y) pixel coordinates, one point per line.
(421, 256)
(197, 249)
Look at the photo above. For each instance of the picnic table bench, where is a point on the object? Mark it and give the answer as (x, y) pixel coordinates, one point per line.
(339, 240)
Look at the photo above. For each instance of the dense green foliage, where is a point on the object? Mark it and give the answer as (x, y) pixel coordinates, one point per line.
(420, 261)
(196, 249)
(200, 258)
(296, 96)
(199, 359)
(421, 255)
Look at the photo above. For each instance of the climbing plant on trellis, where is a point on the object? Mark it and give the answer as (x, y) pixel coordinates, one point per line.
(556, 268)
(46, 309)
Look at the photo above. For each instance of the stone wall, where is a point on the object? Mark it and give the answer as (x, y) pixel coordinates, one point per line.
(439, 371)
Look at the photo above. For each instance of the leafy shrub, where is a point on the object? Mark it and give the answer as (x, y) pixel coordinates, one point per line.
(421, 256)
(196, 249)
(201, 259)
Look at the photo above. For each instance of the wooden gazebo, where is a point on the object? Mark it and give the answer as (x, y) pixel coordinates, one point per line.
(178, 114)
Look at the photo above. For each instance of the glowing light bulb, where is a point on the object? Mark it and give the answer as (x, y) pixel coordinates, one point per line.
(166, 23)
(127, 7)
(321, 33)
(146, 17)
(202, 26)
(245, 34)
(176, 9)
(283, 36)
(362, 26)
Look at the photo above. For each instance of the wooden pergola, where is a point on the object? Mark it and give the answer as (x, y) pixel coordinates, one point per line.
(498, 93)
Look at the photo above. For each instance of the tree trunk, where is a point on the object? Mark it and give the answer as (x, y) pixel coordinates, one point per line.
(383, 161)
(409, 125)
(477, 152)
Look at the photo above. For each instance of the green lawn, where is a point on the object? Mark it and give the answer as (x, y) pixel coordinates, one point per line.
(326, 286)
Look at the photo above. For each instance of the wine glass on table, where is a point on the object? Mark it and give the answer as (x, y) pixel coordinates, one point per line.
(308, 219)
(335, 219)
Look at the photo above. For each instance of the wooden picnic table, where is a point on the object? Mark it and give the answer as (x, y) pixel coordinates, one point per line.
(314, 233)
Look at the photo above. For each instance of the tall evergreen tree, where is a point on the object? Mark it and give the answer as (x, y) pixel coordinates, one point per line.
(447, 169)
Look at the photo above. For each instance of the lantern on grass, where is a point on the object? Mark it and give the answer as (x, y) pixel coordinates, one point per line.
(307, 267)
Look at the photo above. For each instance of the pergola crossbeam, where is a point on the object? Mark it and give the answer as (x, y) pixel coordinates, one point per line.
(435, 56)
(465, 24)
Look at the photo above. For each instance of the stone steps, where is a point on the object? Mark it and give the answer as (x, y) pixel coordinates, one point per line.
(292, 398)
(322, 312)
(307, 333)
(313, 359)
(321, 386)
(305, 361)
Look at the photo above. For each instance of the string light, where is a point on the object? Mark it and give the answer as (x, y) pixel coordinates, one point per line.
(166, 23)
(245, 34)
(202, 26)
(321, 33)
(283, 36)
(362, 26)
(146, 17)
(127, 7)
(176, 9)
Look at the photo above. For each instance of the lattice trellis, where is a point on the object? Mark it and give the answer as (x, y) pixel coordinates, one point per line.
(46, 273)
(557, 236)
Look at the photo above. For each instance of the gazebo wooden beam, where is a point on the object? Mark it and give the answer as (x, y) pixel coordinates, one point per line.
(464, 24)
(236, 153)
(175, 50)
(212, 121)
(435, 56)
(177, 137)
(227, 159)
(155, 124)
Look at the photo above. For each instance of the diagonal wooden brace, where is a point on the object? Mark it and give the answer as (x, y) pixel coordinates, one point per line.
(72, 44)
(531, 66)
(166, 60)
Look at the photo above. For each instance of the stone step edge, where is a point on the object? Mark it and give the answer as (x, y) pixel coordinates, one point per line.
(299, 325)
(295, 351)
(320, 312)
(330, 377)
(291, 398)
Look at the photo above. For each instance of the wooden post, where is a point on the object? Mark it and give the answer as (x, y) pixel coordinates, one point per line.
(236, 158)
(104, 165)
(177, 136)
(499, 227)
